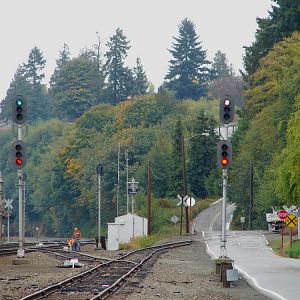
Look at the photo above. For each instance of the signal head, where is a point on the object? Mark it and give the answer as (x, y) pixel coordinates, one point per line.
(224, 150)
(19, 109)
(226, 110)
(18, 154)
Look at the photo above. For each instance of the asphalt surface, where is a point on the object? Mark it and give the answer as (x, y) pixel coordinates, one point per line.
(273, 276)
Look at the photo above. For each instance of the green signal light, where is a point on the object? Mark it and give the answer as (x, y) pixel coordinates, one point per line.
(19, 102)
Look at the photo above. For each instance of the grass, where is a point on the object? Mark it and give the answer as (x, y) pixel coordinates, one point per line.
(285, 250)
(142, 242)
(294, 251)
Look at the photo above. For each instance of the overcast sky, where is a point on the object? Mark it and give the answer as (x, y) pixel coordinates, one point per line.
(150, 26)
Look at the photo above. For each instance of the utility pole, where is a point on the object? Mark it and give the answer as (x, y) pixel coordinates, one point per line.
(118, 185)
(251, 198)
(127, 193)
(99, 172)
(184, 185)
(149, 200)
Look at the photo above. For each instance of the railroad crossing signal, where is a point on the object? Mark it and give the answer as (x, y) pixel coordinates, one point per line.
(19, 109)
(224, 153)
(226, 110)
(18, 154)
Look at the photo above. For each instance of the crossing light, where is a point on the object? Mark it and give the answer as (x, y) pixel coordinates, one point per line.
(19, 109)
(226, 110)
(18, 154)
(224, 154)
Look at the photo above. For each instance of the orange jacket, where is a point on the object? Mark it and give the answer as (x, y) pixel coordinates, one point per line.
(77, 233)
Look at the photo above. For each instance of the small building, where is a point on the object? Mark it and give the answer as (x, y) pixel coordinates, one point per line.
(124, 228)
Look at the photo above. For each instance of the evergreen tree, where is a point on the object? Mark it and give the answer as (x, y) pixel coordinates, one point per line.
(38, 106)
(281, 22)
(177, 158)
(35, 66)
(140, 79)
(64, 57)
(188, 70)
(28, 82)
(119, 77)
(202, 154)
(219, 67)
(100, 79)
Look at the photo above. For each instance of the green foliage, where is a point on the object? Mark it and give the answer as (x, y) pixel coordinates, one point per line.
(140, 79)
(64, 57)
(74, 91)
(142, 242)
(27, 81)
(202, 154)
(18, 86)
(62, 155)
(120, 83)
(283, 19)
(288, 171)
(219, 66)
(294, 251)
(177, 158)
(269, 138)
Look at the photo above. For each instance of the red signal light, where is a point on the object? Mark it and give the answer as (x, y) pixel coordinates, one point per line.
(19, 161)
(18, 154)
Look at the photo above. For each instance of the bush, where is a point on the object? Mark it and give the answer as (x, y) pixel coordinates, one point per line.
(294, 251)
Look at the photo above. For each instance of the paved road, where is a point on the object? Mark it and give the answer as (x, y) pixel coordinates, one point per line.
(273, 276)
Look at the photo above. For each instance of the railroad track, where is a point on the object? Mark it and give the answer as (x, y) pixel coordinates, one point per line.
(12, 248)
(104, 279)
(67, 255)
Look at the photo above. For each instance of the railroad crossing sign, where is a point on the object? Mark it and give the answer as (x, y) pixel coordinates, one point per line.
(282, 214)
(190, 201)
(181, 202)
(8, 203)
(291, 221)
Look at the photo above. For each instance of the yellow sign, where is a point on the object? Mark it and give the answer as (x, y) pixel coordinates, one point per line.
(291, 221)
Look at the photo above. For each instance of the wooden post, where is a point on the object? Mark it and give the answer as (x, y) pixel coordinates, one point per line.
(282, 234)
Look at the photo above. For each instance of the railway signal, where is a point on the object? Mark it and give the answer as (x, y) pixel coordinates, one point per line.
(224, 152)
(19, 109)
(226, 110)
(18, 154)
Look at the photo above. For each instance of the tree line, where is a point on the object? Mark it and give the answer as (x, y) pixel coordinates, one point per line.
(97, 76)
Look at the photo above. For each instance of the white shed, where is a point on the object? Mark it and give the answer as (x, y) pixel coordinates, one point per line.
(125, 228)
